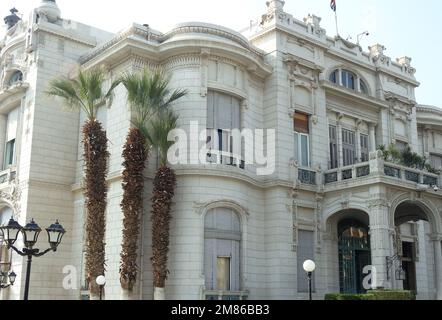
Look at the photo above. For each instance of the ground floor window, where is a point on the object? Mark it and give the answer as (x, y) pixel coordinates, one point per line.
(222, 233)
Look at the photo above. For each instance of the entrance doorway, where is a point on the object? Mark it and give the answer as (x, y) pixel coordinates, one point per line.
(354, 255)
(409, 266)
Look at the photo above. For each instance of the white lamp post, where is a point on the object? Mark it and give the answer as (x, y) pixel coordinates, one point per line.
(309, 267)
(101, 281)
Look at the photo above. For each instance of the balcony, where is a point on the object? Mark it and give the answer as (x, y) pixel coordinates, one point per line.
(7, 176)
(382, 171)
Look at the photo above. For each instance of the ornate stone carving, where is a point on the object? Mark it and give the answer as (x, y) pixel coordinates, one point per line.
(13, 198)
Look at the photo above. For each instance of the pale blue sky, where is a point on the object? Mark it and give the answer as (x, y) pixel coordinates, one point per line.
(405, 27)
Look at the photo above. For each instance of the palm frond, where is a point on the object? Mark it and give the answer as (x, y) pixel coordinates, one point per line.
(159, 132)
(85, 92)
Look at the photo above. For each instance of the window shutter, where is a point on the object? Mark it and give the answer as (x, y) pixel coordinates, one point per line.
(305, 252)
(210, 263)
(224, 111)
(210, 110)
(333, 147)
(364, 148)
(301, 123)
(12, 123)
(348, 147)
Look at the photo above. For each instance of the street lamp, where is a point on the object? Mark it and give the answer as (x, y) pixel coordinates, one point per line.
(4, 277)
(30, 234)
(309, 267)
(101, 281)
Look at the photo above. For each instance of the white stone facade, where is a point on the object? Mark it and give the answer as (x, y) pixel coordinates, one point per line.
(277, 68)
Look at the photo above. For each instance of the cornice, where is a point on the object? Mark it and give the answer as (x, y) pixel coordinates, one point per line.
(352, 95)
(215, 30)
(429, 109)
(61, 33)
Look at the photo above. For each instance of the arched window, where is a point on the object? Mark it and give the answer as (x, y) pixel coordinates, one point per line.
(334, 76)
(349, 80)
(222, 233)
(16, 77)
(364, 88)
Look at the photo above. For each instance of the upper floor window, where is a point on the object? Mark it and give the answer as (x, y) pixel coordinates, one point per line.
(222, 233)
(16, 77)
(223, 115)
(436, 161)
(10, 138)
(302, 139)
(9, 154)
(348, 147)
(348, 80)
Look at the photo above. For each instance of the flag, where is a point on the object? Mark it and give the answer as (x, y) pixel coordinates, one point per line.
(333, 5)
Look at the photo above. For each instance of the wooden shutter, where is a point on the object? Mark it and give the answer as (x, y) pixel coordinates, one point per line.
(333, 147)
(210, 110)
(301, 123)
(348, 147)
(210, 263)
(364, 148)
(305, 252)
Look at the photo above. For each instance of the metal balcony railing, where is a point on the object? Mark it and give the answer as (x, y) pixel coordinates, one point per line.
(377, 167)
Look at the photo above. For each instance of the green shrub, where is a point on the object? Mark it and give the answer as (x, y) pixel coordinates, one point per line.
(348, 297)
(392, 295)
(373, 295)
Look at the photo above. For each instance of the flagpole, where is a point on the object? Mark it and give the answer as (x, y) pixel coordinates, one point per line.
(336, 21)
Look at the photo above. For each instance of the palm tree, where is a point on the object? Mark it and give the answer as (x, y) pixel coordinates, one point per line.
(148, 96)
(86, 93)
(163, 193)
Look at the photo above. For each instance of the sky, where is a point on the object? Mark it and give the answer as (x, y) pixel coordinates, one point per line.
(405, 27)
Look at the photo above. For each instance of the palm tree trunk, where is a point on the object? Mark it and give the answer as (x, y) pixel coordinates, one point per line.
(96, 158)
(135, 155)
(163, 193)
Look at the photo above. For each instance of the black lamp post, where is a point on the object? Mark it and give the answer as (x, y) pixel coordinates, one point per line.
(309, 267)
(30, 236)
(4, 277)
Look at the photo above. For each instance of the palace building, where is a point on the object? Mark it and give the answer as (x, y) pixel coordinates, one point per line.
(332, 197)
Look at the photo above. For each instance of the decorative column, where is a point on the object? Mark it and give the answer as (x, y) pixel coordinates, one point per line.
(438, 265)
(3, 121)
(380, 239)
(372, 133)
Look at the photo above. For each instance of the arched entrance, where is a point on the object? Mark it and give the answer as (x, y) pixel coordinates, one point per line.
(406, 216)
(354, 255)
(351, 230)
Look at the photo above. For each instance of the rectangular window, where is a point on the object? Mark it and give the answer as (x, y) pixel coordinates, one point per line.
(400, 145)
(223, 115)
(223, 273)
(9, 154)
(436, 161)
(348, 147)
(333, 147)
(302, 139)
(364, 148)
(305, 252)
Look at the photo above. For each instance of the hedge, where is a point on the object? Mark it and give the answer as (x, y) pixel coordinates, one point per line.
(374, 295)
(393, 294)
(342, 296)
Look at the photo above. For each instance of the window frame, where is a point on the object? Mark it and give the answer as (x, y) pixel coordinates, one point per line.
(9, 154)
